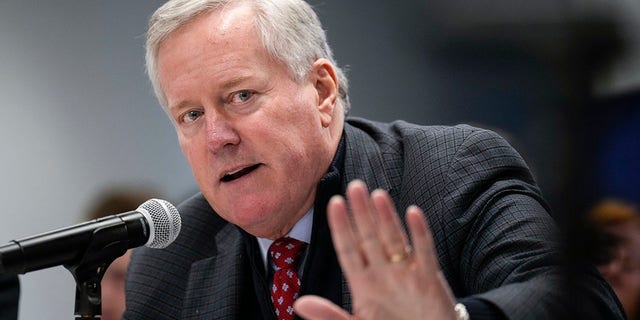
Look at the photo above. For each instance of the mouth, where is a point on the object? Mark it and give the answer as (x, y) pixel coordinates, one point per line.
(230, 176)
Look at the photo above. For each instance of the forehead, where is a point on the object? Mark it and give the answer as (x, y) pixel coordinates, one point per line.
(216, 25)
(213, 46)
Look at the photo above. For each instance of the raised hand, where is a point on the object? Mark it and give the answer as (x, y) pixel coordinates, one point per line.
(388, 278)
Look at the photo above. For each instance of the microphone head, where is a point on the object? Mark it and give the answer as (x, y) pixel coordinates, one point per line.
(164, 222)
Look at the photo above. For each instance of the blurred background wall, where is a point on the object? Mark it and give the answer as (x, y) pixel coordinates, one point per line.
(560, 79)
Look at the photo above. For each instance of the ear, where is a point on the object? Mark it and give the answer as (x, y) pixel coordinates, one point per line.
(326, 84)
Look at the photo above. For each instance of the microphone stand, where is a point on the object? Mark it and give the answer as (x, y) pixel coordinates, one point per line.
(90, 269)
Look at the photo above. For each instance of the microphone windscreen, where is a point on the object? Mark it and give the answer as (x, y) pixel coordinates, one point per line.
(164, 222)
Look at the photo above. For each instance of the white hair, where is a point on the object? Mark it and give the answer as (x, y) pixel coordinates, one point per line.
(289, 29)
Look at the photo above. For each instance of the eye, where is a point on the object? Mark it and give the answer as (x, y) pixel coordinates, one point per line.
(191, 116)
(241, 96)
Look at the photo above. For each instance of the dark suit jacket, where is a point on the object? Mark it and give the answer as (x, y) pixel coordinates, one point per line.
(9, 297)
(492, 230)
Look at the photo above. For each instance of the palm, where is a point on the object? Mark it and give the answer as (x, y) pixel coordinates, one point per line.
(386, 280)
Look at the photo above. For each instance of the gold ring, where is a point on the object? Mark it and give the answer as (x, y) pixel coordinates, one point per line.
(397, 257)
(400, 256)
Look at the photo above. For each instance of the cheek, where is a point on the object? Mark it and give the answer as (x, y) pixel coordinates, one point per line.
(191, 148)
(197, 158)
(184, 146)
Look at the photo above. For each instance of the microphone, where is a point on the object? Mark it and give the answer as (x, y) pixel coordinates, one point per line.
(156, 223)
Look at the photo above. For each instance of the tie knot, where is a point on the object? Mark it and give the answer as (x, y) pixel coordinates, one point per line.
(285, 251)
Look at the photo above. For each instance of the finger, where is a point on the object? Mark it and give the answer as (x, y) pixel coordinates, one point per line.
(365, 220)
(422, 240)
(317, 308)
(391, 232)
(343, 237)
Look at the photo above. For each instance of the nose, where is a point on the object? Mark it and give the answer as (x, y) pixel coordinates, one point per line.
(221, 132)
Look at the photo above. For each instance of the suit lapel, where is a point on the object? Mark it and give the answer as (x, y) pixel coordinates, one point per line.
(215, 283)
(363, 161)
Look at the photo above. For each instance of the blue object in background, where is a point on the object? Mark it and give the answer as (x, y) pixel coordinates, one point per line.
(618, 156)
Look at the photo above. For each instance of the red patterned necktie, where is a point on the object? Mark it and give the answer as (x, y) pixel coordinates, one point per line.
(286, 284)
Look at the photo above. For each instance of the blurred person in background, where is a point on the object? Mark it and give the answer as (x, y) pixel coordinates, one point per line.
(616, 231)
(106, 203)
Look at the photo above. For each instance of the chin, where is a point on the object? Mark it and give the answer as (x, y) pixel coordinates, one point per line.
(250, 218)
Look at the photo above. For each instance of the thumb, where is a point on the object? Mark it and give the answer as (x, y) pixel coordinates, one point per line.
(317, 308)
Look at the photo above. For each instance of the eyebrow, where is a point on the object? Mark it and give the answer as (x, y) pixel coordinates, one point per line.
(235, 81)
(226, 86)
(178, 106)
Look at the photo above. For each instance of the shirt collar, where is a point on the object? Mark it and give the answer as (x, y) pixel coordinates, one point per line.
(300, 231)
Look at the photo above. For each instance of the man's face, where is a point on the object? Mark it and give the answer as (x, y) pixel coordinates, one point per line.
(256, 140)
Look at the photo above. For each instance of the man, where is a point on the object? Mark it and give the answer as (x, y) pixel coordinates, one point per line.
(259, 107)
(616, 226)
